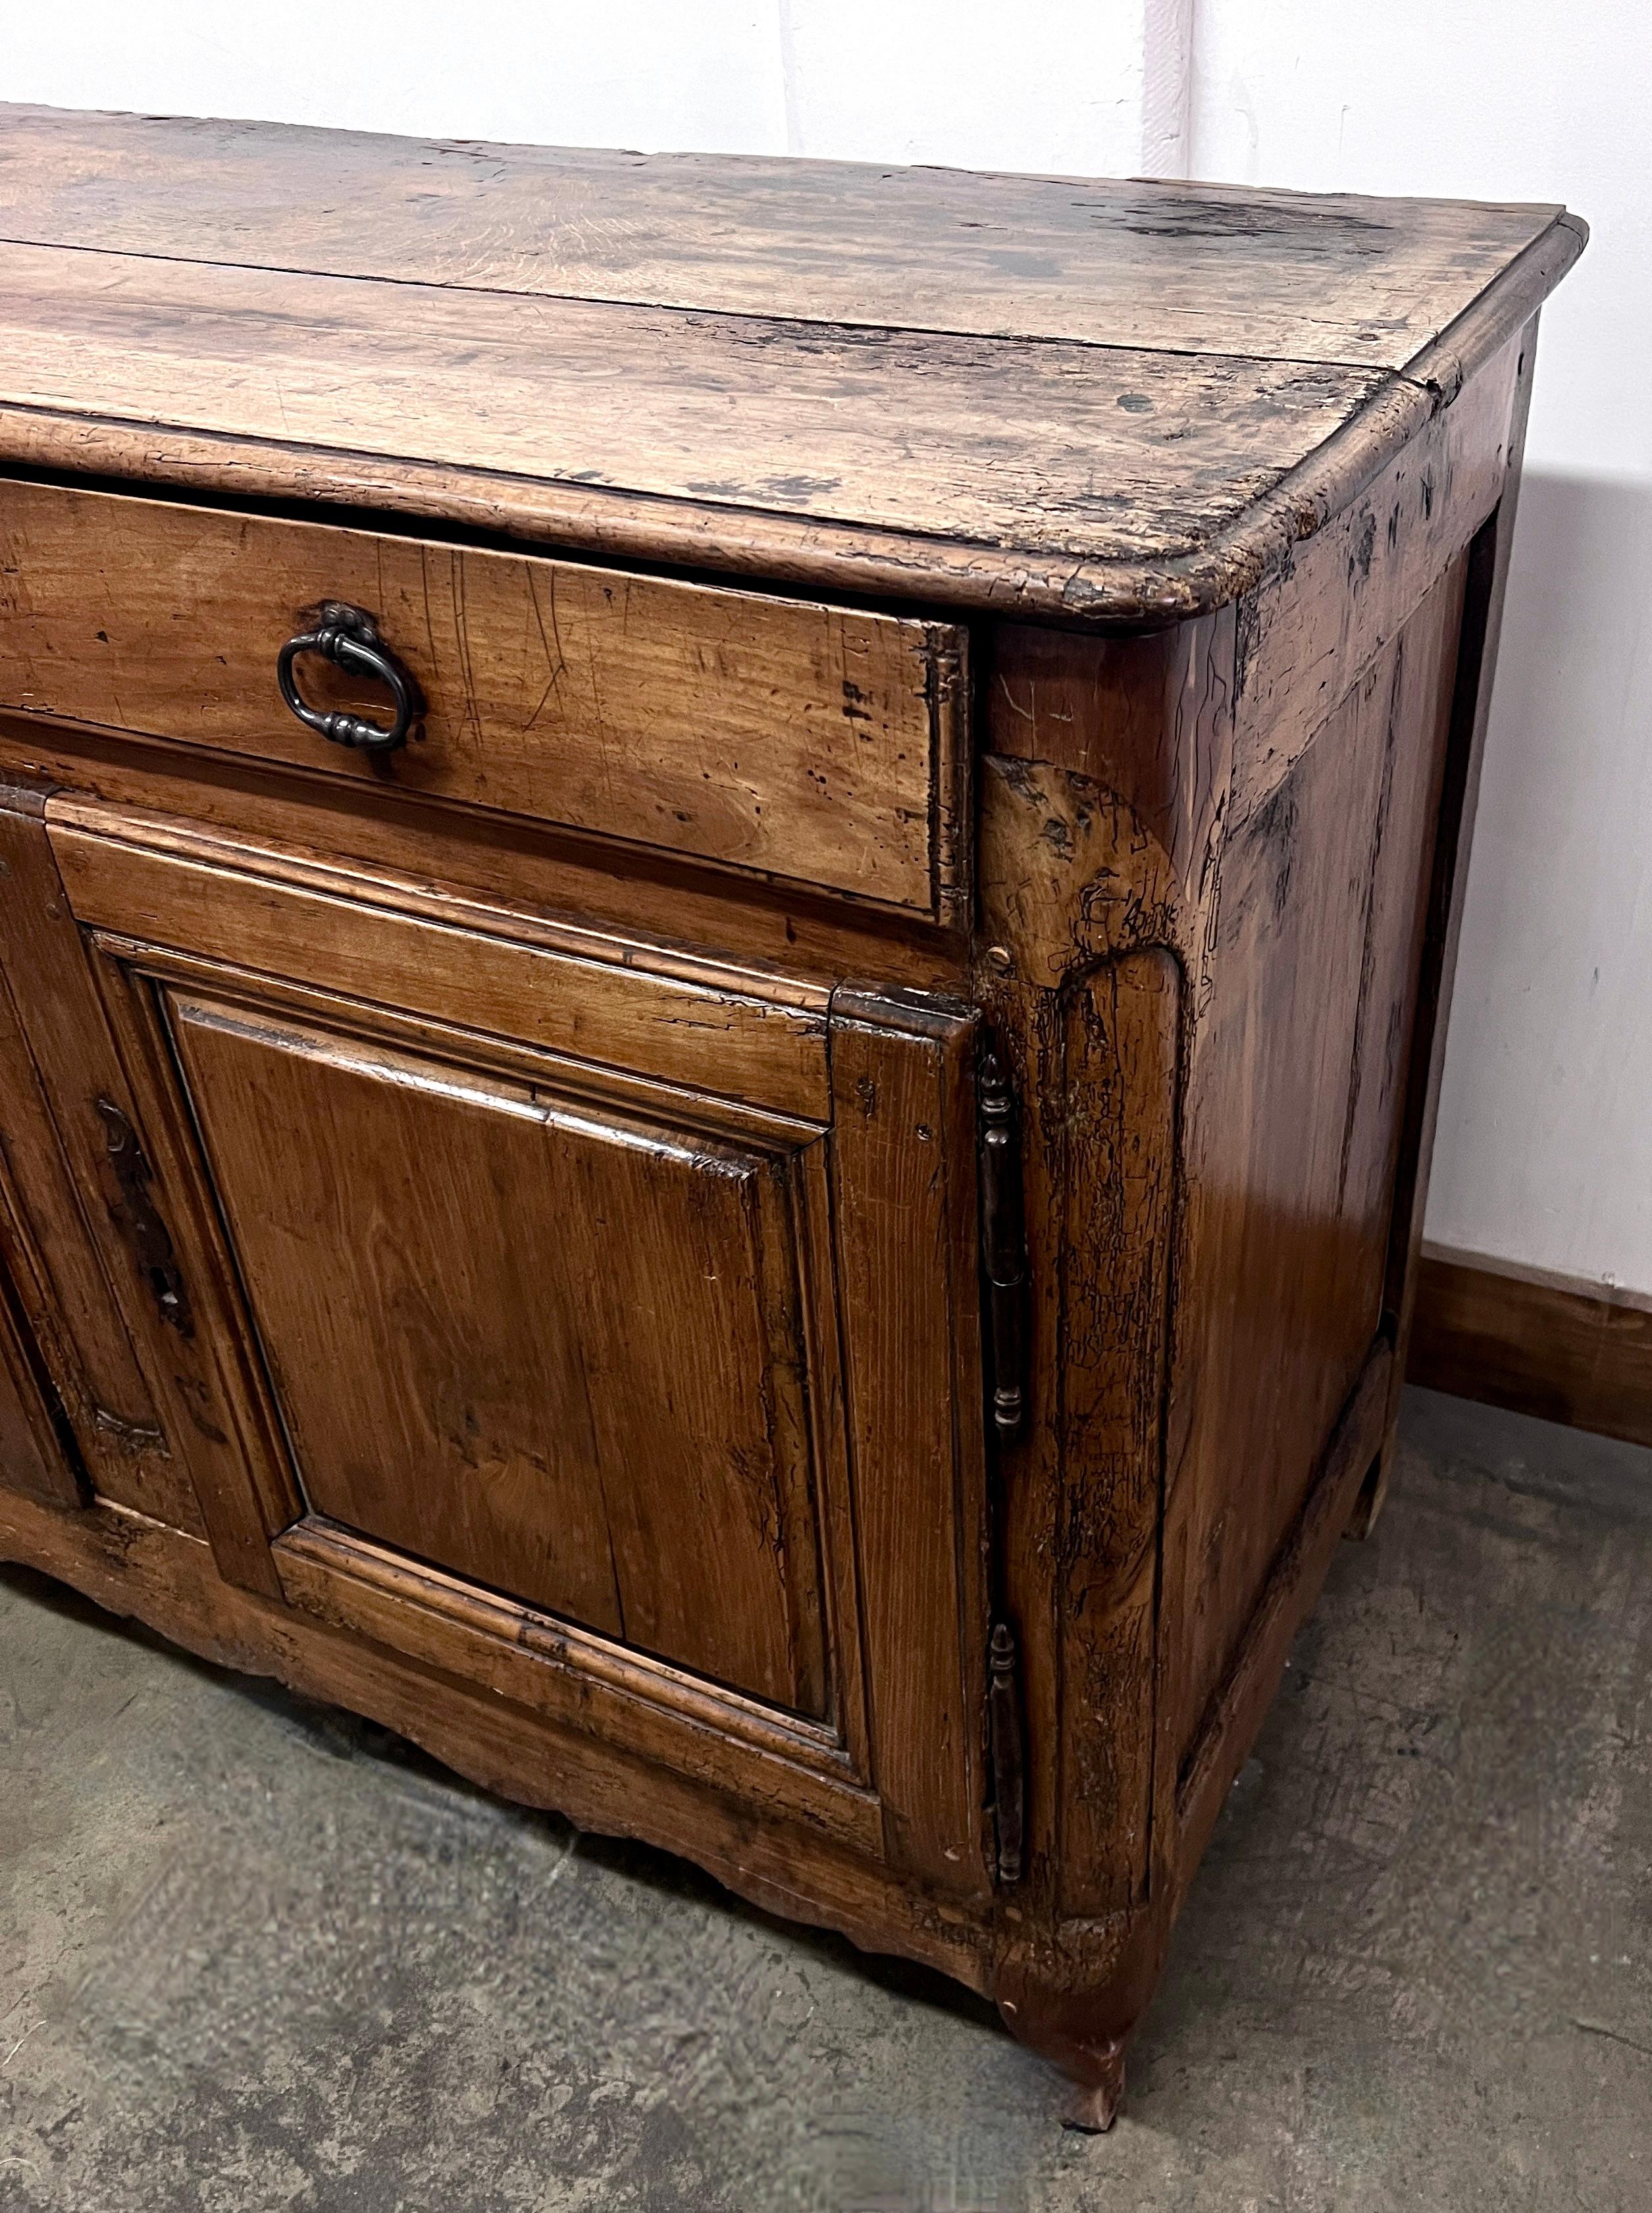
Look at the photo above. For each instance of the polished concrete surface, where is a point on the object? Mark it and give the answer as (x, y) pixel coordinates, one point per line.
(255, 1954)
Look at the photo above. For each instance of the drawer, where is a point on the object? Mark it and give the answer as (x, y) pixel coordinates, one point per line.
(804, 741)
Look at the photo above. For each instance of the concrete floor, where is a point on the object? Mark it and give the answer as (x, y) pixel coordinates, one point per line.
(254, 1955)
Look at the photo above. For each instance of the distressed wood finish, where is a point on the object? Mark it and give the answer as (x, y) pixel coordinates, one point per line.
(498, 1235)
(32, 1457)
(1325, 277)
(1095, 400)
(62, 1219)
(803, 742)
(558, 1334)
(439, 1253)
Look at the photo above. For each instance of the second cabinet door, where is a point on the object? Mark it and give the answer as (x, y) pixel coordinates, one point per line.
(529, 1303)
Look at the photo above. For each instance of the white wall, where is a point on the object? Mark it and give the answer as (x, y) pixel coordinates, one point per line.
(1544, 1151)
(1546, 1142)
(1038, 84)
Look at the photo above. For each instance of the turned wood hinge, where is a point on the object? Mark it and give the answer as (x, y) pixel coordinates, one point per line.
(1003, 1248)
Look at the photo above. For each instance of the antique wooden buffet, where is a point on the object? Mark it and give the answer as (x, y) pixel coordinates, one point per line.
(726, 893)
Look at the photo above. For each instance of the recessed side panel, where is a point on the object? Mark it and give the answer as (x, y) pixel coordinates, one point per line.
(1298, 1094)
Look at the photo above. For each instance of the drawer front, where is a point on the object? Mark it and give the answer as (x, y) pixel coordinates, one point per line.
(802, 741)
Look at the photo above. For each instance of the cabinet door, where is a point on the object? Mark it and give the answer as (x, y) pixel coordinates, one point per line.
(63, 1211)
(32, 1457)
(597, 1323)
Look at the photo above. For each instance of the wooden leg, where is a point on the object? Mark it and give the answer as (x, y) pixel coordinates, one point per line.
(1047, 2022)
(1368, 1503)
(1094, 2107)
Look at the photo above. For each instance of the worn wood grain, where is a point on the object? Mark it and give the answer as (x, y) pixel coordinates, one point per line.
(783, 1768)
(1120, 1042)
(1106, 794)
(1102, 821)
(1110, 401)
(71, 1274)
(563, 1147)
(554, 1349)
(903, 1153)
(1299, 1089)
(1328, 276)
(415, 1285)
(802, 740)
(191, 1323)
(139, 1568)
(1294, 1573)
(1307, 635)
(1485, 580)
(1058, 451)
(437, 954)
(647, 896)
(32, 1455)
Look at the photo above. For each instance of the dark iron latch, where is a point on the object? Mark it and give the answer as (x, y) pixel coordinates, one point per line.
(140, 1220)
(1003, 1247)
(1003, 1707)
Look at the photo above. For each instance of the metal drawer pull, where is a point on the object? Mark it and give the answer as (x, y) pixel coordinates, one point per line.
(349, 638)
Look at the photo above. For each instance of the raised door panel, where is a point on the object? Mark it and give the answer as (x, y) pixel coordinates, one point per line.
(550, 1345)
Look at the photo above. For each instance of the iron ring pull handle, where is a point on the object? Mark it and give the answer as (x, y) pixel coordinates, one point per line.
(349, 638)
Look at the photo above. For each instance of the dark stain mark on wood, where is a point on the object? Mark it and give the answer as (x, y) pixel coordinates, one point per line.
(140, 1224)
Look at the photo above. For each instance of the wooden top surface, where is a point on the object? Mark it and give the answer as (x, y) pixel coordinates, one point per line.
(1105, 401)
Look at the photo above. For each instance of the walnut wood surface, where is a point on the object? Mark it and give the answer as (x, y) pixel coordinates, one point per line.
(1240, 1700)
(747, 366)
(447, 957)
(60, 1214)
(1486, 582)
(565, 1324)
(556, 1347)
(780, 1763)
(903, 1096)
(1302, 1069)
(574, 1195)
(802, 740)
(654, 903)
(32, 1457)
(1327, 277)
(141, 1568)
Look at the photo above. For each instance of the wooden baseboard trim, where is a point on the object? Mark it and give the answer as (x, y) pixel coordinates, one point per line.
(1563, 1349)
